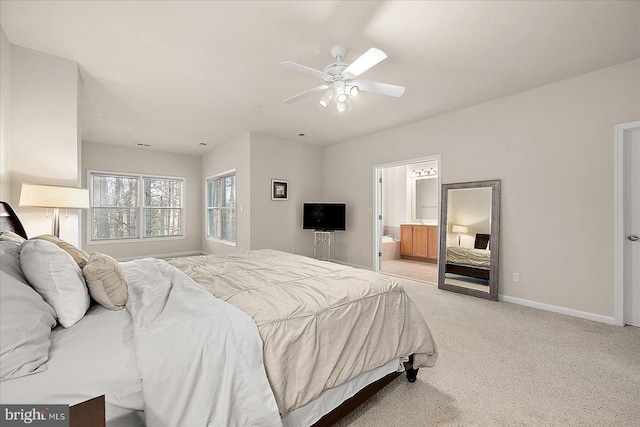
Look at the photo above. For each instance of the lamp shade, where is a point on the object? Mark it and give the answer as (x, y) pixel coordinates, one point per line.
(459, 229)
(51, 196)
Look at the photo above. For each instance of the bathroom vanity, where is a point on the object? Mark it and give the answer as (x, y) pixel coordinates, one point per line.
(419, 242)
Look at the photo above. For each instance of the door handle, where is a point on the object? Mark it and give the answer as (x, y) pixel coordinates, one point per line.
(633, 237)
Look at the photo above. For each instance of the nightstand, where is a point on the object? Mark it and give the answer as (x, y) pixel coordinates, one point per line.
(88, 414)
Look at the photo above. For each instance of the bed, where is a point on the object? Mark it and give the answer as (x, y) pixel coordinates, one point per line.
(471, 262)
(261, 338)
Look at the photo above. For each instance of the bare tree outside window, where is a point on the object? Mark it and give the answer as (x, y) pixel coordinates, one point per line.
(221, 207)
(115, 207)
(119, 210)
(162, 207)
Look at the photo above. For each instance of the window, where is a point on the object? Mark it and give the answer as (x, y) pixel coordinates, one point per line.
(162, 207)
(135, 207)
(221, 207)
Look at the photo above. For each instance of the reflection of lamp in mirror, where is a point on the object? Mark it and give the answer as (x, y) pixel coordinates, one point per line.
(51, 196)
(460, 229)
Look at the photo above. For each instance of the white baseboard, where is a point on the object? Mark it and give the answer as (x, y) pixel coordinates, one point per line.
(162, 256)
(562, 310)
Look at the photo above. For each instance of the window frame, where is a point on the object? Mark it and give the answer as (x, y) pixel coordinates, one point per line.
(230, 172)
(141, 208)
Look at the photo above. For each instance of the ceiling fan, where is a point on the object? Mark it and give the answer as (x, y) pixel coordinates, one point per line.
(340, 78)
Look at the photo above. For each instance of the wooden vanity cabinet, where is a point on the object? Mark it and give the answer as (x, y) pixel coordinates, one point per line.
(419, 242)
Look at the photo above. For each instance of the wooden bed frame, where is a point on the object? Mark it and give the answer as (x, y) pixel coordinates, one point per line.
(481, 242)
(9, 221)
(358, 399)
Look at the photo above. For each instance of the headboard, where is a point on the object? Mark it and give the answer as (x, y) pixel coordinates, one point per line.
(10, 221)
(482, 240)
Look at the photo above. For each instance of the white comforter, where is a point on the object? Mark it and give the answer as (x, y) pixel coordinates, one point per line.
(469, 256)
(322, 323)
(199, 357)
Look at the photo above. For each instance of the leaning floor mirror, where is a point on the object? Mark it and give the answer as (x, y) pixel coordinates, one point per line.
(470, 238)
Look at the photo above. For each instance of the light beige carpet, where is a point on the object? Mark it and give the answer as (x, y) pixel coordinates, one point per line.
(412, 270)
(502, 364)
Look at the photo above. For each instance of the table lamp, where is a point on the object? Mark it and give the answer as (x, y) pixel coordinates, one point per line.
(56, 197)
(460, 229)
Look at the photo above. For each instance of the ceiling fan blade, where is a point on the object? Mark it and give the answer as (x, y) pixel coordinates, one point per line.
(303, 69)
(302, 95)
(367, 60)
(381, 88)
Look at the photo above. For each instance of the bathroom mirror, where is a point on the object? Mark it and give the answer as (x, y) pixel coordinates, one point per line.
(425, 199)
(470, 238)
(423, 192)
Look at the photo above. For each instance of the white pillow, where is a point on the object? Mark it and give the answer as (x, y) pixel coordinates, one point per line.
(25, 325)
(55, 275)
(467, 241)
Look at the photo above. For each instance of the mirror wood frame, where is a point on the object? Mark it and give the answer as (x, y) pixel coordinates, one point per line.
(494, 240)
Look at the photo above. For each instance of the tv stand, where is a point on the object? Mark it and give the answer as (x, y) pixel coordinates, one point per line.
(323, 245)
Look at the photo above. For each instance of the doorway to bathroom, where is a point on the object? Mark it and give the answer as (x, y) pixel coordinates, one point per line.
(406, 218)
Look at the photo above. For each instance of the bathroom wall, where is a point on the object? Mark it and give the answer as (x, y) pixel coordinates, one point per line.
(394, 200)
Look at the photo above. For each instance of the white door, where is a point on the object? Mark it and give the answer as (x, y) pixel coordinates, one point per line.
(632, 227)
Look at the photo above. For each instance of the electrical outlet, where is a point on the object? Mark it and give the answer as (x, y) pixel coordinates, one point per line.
(516, 277)
(190, 241)
(295, 250)
(364, 253)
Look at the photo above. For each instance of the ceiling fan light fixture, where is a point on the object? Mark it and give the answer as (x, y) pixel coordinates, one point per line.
(341, 91)
(339, 78)
(326, 98)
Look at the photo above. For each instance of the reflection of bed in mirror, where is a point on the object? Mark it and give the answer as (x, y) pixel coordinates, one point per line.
(470, 262)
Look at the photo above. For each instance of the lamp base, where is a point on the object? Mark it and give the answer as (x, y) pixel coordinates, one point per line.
(56, 222)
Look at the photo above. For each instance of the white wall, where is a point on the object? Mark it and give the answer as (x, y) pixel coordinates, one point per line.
(471, 208)
(552, 147)
(5, 97)
(394, 197)
(232, 155)
(116, 158)
(277, 224)
(43, 133)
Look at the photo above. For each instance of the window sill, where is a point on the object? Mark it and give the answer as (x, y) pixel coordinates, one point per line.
(144, 240)
(224, 242)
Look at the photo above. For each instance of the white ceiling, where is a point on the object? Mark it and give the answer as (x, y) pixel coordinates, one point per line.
(176, 73)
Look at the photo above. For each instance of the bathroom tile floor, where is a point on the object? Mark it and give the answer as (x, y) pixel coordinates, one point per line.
(415, 270)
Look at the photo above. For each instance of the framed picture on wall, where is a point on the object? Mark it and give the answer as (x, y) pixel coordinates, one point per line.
(279, 189)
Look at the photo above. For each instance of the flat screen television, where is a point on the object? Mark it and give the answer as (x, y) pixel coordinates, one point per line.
(324, 216)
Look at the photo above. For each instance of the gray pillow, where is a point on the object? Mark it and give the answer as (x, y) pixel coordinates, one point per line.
(10, 259)
(25, 325)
